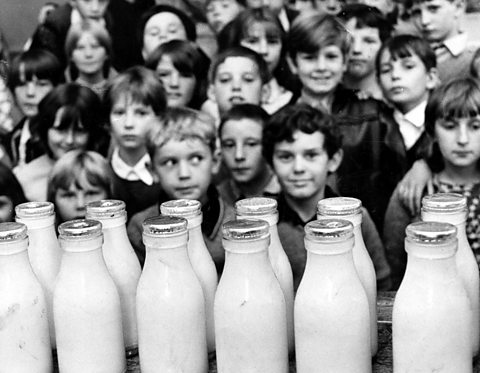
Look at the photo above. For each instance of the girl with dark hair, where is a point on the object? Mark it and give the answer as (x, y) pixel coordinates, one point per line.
(69, 117)
(182, 67)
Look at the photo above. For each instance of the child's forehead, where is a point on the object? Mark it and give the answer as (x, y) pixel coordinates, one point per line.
(238, 65)
(404, 53)
(355, 23)
(182, 146)
(302, 141)
(242, 127)
(128, 99)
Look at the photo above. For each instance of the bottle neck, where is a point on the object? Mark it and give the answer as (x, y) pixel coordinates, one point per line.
(241, 259)
(169, 251)
(458, 219)
(38, 224)
(110, 223)
(13, 247)
(331, 265)
(81, 245)
(436, 262)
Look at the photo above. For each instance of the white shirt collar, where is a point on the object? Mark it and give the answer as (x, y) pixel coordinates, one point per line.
(138, 172)
(456, 44)
(411, 124)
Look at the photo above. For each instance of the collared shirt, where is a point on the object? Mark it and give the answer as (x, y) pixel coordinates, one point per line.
(456, 44)
(411, 124)
(282, 17)
(138, 172)
(25, 135)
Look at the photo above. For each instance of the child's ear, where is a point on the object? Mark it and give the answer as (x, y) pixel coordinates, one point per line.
(211, 93)
(433, 80)
(292, 65)
(216, 161)
(335, 161)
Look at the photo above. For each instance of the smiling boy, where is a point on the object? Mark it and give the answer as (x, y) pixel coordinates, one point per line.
(303, 146)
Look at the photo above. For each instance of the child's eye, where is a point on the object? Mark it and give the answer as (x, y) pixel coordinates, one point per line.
(141, 112)
(332, 56)
(311, 155)
(168, 162)
(284, 157)
(448, 124)
(385, 69)
(433, 8)
(66, 194)
(223, 78)
(252, 143)
(273, 40)
(118, 112)
(228, 144)
(474, 124)
(307, 56)
(196, 159)
(43, 83)
(251, 40)
(249, 78)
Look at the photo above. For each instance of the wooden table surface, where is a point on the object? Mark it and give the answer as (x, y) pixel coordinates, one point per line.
(382, 362)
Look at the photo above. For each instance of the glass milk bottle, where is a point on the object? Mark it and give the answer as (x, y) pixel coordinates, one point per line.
(351, 209)
(332, 317)
(266, 209)
(200, 257)
(86, 305)
(121, 261)
(452, 208)
(24, 338)
(43, 250)
(170, 302)
(431, 316)
(250, 311)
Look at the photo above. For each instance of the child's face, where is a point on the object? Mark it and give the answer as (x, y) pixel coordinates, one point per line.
(6, 209)
(184, 168)
(159, 29)
(130, 122)
(91, 9)
(237, 81)
(329, 6)
(179, 88)
(274, 5)
(459, 142)
(437, 20)
(302, 166)
(365, 46)
(241, 142)
(268, 46)
(320, 72)
(62, 140)
(29, 94)
(220, 12)
(70, 203)
(405, 81)
(89, 56)
(384, 6)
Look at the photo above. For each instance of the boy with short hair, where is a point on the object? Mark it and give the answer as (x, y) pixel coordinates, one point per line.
(439, 21)
(406, 70)
(221, 12)
(369, 29)
(240, 134)
(134, 100)
(318, 54)
(184, 158)
(238, 75)
(303, 146)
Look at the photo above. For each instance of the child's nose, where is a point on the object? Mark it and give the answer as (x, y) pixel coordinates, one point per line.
(174, 79)
(320, 63)
(239, 153)
(129, 119)
(462, 136)
(69, 136)
(80, 200)
(263, 48)
(298, 165)
(425, 17)
(183, 170)
(31, 87)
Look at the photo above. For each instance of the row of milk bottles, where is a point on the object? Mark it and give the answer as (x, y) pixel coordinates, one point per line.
(98, 303)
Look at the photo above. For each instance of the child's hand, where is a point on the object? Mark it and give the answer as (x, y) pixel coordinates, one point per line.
(412, 185)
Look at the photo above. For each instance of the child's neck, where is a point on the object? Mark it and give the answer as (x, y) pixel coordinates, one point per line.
(366, 84)
(91, 78)
(131, 156)
(323, 102)
(305, 208)
(460, 175)
(256, 186)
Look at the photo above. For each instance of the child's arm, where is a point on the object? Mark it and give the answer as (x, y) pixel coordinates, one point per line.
(411, 187)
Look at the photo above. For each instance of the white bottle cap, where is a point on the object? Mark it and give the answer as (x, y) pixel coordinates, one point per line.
(105, 209)
(339, 206)
(11, 231)
(164, 226)
(34, 210)
(329, 230)
(444, 202)
(181, 207)
(80, 229)
(431, 232)
(245, 230)
(255, 206)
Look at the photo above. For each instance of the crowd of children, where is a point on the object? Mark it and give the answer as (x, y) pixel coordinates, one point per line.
(298, 101)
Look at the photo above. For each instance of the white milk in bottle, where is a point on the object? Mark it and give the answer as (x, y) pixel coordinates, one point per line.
(452, 208)
(170, 302)
(250, 311)
(43, 250)
(121, 261)
(266, 209)
(332, 317)
(24, 339)
(86, 305)
(431, 316)
(200, 258)
(351, 209)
